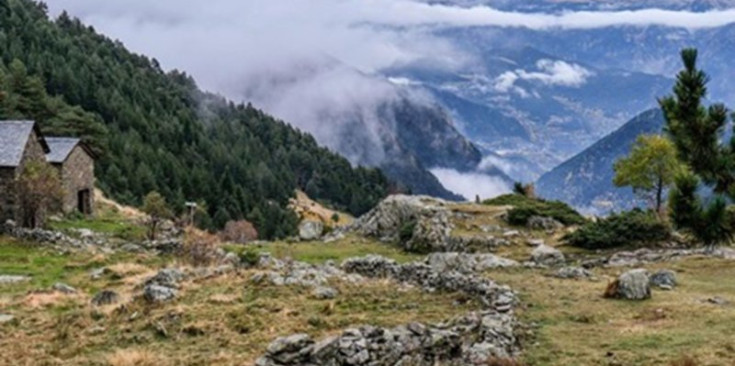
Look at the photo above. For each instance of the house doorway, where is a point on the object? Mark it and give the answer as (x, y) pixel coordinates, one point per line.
(84, 201)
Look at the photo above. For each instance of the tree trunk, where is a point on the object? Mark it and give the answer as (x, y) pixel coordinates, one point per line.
(659, 195)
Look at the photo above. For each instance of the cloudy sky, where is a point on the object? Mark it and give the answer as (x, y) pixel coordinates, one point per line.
(309, 62)
(224, 40)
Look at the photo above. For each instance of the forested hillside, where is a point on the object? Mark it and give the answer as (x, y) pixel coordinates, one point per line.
(157, 131)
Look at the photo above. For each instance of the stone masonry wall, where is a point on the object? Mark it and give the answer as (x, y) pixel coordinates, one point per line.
(33, 151)
(77, 174)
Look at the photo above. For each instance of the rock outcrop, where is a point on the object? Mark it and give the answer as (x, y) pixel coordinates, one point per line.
(490, 294)
(467, 263)
(420, 224)
(311, 230)
(468, 340)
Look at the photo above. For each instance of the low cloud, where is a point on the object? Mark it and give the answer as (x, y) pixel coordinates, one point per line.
(549, 72)
(471, 184)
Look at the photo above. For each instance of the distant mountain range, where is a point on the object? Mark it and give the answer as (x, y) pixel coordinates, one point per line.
(586, 180)
(371, 121)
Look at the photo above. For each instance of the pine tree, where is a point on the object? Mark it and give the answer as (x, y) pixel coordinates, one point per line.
(696, 131)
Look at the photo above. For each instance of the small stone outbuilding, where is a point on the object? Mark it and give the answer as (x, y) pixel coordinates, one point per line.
(22, 142)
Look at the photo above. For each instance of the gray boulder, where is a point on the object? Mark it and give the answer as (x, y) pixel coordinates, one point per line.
(547, 256)
(12, 279)
(324, 293)
(311, 230)
(105, 297)
(665, 279)
(169, 277)
(428, 219)
(156, 293)
(6, 318)
(544, 223)
(631, 285)
(573, 273)
(64, 288)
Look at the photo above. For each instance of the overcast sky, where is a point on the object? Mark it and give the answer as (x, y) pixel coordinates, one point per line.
(224, 40)
(309, 62)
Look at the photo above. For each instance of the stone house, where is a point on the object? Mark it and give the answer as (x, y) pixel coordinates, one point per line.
(22, 142)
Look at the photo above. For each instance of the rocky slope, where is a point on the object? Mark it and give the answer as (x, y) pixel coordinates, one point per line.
(586, 180)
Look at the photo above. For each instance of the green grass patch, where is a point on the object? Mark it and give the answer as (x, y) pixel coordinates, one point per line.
(319, 252)
(112, 225)
(524, 208)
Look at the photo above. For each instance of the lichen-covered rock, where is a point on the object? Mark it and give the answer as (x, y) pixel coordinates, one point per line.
(12, 279)
(64, 288)
(467, 340)
(631, 285)
(467, 263)
(419, 223)
(311, 230)
(547, 256)
(6, 318)
(168, 277)
(105, 297)
(422, 274)
(573, 273)
(665, 279)
(544, 223)
(156, 293)
(324, 293)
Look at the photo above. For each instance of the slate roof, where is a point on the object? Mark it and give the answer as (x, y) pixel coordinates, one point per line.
(60, 148)
(13, 139)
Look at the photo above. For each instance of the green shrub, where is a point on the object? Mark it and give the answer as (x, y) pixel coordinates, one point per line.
(406, 232)
(249, 258)
(628, 228)
(525, 207)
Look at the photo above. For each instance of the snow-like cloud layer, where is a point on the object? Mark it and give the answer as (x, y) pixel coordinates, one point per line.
(549, 72)
(471, 184)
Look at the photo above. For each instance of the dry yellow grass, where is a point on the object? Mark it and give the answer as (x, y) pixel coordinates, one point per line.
(579, 327)
(308, 209)
(135, 357)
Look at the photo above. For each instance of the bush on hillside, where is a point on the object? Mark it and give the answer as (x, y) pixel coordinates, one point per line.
(240, 232)
(525, 207)
(628, 228)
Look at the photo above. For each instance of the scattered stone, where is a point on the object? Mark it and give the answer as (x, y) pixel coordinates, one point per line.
(96, 274)
(474, 244)
(535, 242)
(131, 248)
(511, 233)
(631, 285)
(169, 277)
(105, 297)
(718, 301)
(311, 230)
(422, 274)
(64, 288)
(324, 293)
(547, 256)
(12, 279)
(573, 273)
(466, 340)
(6, 318)
(156, 293)
(664, 279)
(544, 223)
(467, 263)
